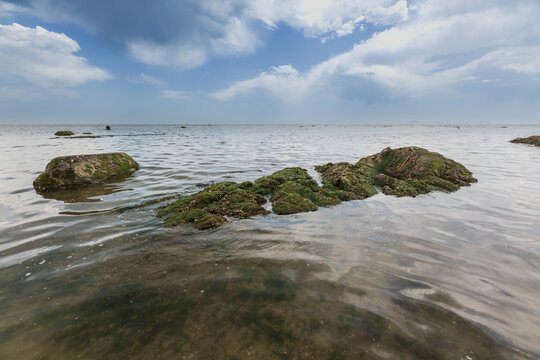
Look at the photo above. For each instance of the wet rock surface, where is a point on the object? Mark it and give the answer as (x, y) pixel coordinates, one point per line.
(64, 133)
(293, 190)
(531, 140)
(347, 181)
(411, 171)
(210, 207)
(80, 171)
(408, 171)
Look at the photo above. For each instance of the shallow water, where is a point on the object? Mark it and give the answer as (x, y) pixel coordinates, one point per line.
(450, 276)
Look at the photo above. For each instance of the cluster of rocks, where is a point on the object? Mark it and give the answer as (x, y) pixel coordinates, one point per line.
(408, 171)
(69, 133)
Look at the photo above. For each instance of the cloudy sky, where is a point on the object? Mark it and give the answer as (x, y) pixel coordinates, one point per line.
(270, 61)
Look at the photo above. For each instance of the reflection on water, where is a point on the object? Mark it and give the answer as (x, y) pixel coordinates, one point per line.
(441, 276)
(199, 301)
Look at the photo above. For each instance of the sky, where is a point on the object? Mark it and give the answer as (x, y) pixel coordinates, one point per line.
(269, 61)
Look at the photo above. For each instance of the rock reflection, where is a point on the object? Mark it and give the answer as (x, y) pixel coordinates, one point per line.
(195, 300)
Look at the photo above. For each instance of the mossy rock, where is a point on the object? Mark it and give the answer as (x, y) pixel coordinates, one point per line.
(346, 181)
(401, 172)
(290, 185)
(267, 184)
(210, 207)
(531, 140)
(411, 171)
(64, 133)
(79, 171)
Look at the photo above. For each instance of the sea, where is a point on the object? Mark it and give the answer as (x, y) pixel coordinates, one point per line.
(93, 274)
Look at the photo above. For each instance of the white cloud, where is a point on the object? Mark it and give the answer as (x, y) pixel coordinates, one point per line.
(442, 45)
(186, 34)
(185, 56)
(144, 79)
(272, 82)
(327, 18)
(43, 58)
(174, 95)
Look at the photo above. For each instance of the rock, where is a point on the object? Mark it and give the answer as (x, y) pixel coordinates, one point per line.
(78, 171)
(406, 171)
(183, 127)
(64, 133)
(531, 140)
(209, 207)
(293, 190)
(411, 171)
(107, 127)
(347, 181)
(87, 133)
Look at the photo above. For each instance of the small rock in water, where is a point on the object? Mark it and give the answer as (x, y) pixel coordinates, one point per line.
(107, 127)
(64, 133)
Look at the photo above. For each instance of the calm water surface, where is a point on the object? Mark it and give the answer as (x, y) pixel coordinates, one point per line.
(442, 276)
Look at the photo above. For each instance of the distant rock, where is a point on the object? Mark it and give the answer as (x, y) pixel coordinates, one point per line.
(183, 127)
(79, 171)
(107, 127)
(531, 140)
(87, 133)
(64, 133)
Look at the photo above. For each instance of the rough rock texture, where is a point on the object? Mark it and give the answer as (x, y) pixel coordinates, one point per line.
(208, 208)
(346, 181)
(407, 171)
(411, 171)
(78, 171)
(64, 133)
(531, 140)
(293, 190)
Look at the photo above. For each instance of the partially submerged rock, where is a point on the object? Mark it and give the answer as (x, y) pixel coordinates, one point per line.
(531, 140)
(411, 171)
(406, 171)
(293, 190)
(78, 171)
(64, 133)
(346, 181)
(209, 207)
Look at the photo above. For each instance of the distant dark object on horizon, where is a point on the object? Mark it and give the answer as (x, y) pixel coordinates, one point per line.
(107, 127)
(183, 127)
(64, 133)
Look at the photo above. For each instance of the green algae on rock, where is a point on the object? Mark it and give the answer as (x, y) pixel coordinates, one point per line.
(78, 171)
(411, 171)
(406, 171)
(293, 190)
(531, 140)
(346, 181)
(209, 207)
(64, 133)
